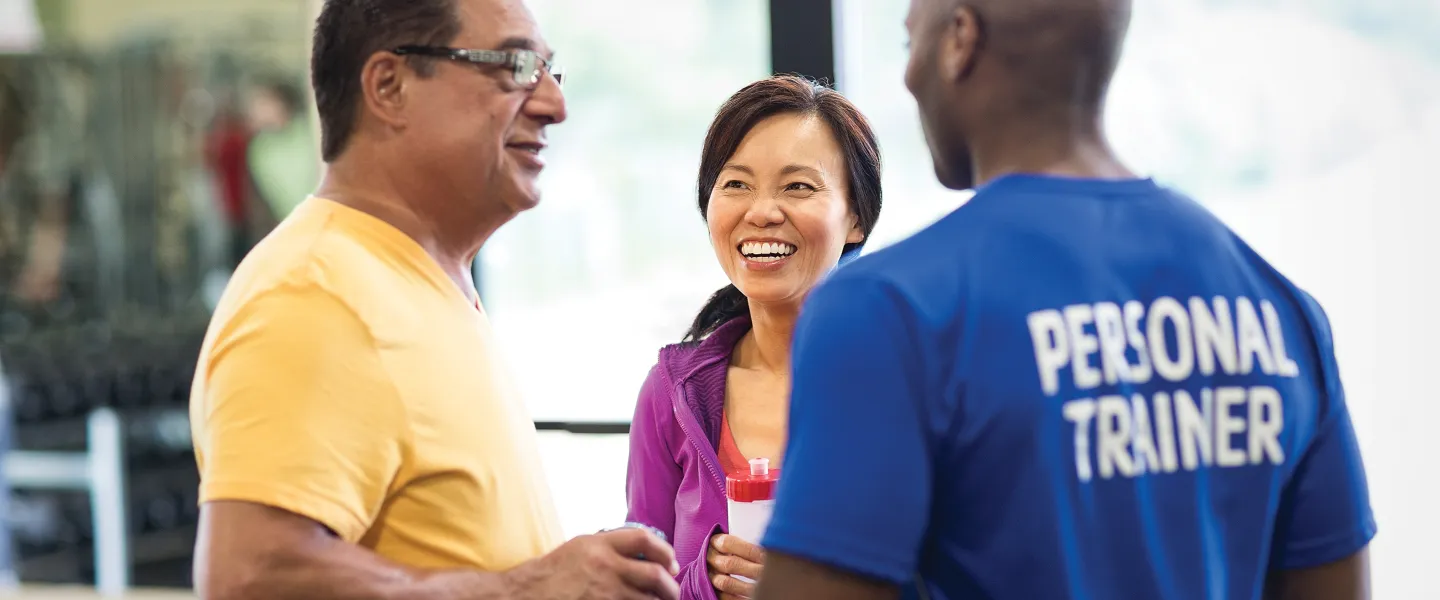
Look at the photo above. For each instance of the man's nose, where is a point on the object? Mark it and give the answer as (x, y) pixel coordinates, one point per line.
(547, 102)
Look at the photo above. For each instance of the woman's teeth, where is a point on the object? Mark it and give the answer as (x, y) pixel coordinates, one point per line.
(766, 251)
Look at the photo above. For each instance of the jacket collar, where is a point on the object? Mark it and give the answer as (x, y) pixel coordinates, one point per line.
(697, 370)
(684, 360)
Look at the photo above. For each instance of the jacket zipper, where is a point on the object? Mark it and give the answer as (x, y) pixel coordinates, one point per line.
(706, 451)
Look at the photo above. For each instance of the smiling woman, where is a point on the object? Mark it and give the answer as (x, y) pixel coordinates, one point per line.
(784, 156)
(777, 214)
(789, 182)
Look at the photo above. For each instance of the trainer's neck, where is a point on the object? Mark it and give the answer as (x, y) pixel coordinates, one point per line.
(1061, 146)
(406, 203)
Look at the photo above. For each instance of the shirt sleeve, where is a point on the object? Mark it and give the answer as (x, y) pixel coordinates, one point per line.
(855, 484)
(294, 411)
(1325, 512)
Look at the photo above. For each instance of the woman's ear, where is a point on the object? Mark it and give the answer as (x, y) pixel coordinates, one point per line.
(855, 236)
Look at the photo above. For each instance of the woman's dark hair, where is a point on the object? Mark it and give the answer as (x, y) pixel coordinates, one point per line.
(786, 94)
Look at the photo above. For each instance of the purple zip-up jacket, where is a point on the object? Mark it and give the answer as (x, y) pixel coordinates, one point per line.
(675, 482)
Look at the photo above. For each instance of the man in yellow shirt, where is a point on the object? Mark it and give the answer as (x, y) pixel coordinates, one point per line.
(355, 435)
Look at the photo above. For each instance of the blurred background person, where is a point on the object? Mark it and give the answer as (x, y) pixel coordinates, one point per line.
(789, 184)
(281, 150)
(227, 145)
(41, 163)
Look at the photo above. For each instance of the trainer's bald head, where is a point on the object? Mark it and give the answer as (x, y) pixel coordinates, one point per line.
(1055, 51)
(976, 65)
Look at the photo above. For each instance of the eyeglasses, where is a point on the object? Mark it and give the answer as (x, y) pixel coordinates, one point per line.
(526, 66)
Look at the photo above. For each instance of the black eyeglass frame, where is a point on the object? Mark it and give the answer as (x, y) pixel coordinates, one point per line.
(527, 67)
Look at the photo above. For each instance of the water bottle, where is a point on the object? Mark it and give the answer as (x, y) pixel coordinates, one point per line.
(751, 498)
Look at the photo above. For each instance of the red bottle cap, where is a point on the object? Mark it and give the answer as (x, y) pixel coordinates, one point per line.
(758, 484)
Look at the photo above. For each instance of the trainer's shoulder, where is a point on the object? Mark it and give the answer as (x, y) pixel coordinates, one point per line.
(919, 263)
(918, 276)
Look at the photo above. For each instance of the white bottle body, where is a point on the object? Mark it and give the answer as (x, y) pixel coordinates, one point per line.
(748, 521)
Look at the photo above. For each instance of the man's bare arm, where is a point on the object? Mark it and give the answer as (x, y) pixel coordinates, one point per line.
(1345, 579)
(248, 551)
(793, 578)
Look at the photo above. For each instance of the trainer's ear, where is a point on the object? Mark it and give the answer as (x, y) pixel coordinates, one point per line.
(960, 43)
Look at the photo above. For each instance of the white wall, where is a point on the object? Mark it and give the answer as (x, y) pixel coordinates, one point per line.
(1362, 241)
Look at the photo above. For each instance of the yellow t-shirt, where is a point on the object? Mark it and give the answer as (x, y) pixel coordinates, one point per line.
(345, 378)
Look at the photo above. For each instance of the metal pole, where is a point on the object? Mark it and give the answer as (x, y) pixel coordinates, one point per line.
(848, 44)
(812, 54)
(108, 503)
(8, 579)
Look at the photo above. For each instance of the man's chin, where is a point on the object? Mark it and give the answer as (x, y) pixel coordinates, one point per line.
(525, 197)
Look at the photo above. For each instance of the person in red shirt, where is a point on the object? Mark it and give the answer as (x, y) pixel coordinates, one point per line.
(225, 148)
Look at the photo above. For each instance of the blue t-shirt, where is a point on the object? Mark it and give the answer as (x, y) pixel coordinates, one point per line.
(1073, 389)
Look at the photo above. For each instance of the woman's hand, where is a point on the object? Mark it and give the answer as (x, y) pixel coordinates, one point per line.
(729, 556)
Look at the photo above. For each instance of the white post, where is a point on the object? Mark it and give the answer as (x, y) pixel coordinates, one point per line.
(108, 503)
(846, 31)
(9, 581)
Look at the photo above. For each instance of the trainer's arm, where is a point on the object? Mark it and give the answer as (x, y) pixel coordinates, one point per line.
(793, 577)
(299, 435)
(1324, 524)
(1345, 579)
(857, 374)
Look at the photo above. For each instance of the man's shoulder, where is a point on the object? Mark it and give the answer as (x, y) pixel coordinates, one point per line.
(309, 261)
(313, 246)
(295, 306)
(306, 280)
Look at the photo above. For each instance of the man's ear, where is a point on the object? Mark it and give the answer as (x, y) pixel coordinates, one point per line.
(960, 41)
(384, 84)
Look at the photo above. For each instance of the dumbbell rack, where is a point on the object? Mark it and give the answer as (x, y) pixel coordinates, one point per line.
(99, 470)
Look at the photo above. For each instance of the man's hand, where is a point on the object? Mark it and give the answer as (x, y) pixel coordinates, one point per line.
(604, 566)
(729, 556)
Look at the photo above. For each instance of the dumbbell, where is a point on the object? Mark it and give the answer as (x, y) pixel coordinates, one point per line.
(98, 387)
(190, 504)
(162, 512)
(130, 384)
(28, 401)
(77, 525)
(65, 397)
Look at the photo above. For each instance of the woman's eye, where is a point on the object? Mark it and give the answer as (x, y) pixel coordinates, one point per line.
(733, 185)
(797, 186)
